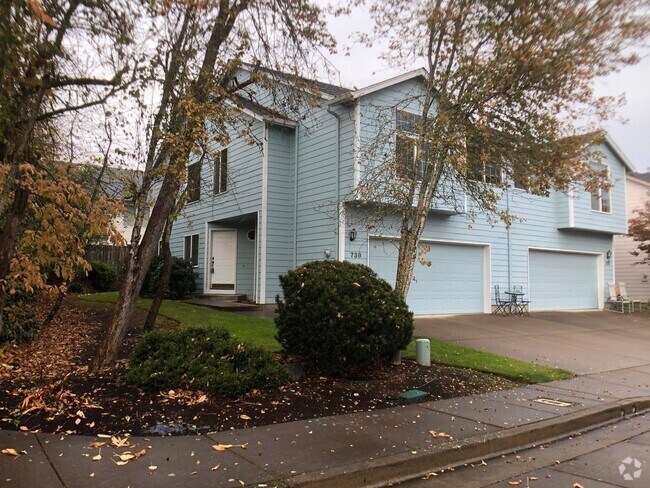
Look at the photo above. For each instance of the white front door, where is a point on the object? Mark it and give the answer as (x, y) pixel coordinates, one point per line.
(223, 261)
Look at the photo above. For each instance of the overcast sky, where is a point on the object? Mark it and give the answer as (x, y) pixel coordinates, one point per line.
(363, 67)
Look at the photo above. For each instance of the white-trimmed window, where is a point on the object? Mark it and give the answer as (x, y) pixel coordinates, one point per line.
(194, 182)
(406, 146)
(220, 183)
(485, 173)
(601, 198)
(191, 249)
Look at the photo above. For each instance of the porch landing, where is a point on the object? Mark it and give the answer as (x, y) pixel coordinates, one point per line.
(227, 303)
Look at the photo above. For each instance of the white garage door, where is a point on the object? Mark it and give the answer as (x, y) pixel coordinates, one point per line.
(563, 281)
(451, 280)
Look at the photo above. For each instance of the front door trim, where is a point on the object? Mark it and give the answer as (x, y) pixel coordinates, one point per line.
(208, 275)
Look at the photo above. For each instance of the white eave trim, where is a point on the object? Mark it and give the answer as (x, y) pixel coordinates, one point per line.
(618, 152)
(638, 181)
(325, 96)
(271, 120)
(380, 85)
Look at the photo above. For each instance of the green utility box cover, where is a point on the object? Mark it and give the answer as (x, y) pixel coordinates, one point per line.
(411, 396)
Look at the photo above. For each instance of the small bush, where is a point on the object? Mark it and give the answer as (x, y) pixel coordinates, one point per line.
(340, 317)
(19, 323)
(182, 279)
(76, 287)
(206, 359)
(102, 276)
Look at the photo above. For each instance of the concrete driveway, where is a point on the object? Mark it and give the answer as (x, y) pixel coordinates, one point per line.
(582, 342)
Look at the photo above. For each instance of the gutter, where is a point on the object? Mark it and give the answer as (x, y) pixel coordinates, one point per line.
(338, 178)
(295, 197)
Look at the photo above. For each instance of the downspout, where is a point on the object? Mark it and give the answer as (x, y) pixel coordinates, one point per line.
(338, 177)
(508, 238)
(295, 198)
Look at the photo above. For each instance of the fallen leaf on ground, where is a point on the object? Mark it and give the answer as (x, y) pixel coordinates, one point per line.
(127, 456)
(244, 417)
(10, 452)
(514, 483)
(96, 444)
(577, 485)
(223, 447)
(139, 454)
(99, 455)
(214, 468)
(153, 468)
(120, 442)
(440, 434)
(104, 436)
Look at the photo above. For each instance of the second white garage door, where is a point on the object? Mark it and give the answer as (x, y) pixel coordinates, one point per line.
(563, 281)
(453, 283)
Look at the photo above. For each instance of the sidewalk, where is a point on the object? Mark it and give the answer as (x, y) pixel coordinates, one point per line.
(348, 450)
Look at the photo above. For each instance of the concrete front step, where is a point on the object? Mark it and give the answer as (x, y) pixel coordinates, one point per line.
(224, 302)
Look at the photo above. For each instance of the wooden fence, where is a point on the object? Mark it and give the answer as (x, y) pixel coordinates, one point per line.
(113, 255)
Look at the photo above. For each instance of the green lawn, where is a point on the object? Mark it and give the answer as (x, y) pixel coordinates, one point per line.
(258, 331)
(444, 352)
(251, 330)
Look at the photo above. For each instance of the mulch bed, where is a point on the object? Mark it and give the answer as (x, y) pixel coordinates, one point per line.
(45, 386)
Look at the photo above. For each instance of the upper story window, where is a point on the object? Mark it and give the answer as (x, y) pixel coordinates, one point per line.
(220, 183)
(407, 152)
(487, 173)
(601, 197)
(191, 249)
(194, 182)
(478, 169)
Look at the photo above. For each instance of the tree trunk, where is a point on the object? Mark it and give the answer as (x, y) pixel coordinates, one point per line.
(55, 309)
(137, 266)
(8, 240)
(161, 291)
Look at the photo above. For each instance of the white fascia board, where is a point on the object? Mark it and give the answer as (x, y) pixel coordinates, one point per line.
(618, 152)
(380, 85)
(261, 118)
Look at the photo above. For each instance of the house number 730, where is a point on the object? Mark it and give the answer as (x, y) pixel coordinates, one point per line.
(355, 255)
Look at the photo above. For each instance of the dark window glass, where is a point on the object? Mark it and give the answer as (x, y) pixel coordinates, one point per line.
(221, 172)
(194, 182)
(191, 249)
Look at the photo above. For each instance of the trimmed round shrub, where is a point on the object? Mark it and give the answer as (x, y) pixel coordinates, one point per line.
(102, 276)
(182, 279)
(340, 317)
(206, 359)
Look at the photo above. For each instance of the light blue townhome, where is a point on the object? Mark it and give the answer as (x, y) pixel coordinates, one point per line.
(258, 210)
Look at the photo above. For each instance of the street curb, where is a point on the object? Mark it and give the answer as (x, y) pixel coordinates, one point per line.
(404, 466)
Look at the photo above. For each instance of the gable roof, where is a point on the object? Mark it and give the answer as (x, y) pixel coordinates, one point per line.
(116, 183)
(354, 94)
(643, 178)
(327, 90)
(262, 113)
(618, 152)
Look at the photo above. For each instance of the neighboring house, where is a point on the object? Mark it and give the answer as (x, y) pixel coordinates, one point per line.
(257, 211)
(116, 184)
(635, 276)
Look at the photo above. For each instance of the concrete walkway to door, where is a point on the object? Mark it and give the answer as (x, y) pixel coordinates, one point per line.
(582, 342)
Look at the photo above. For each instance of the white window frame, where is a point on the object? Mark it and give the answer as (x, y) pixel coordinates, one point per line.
(191, 236)
(599, 195)
(217, 173)
(199, 165)
(408, 135)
